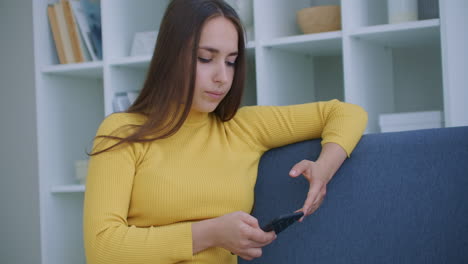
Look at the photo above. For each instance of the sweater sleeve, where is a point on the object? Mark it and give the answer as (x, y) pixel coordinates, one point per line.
(269, 127)
(108, 238)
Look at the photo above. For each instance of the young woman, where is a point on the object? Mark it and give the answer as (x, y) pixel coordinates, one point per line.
(172, 179)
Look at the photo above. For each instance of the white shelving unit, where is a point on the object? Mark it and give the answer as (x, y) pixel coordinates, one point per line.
(407, 67)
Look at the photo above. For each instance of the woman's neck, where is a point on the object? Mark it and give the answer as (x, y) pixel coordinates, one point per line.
(197, 117)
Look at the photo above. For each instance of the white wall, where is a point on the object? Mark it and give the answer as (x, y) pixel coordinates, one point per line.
(19, 206)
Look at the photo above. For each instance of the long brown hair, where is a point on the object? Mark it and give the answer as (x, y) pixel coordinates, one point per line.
(166, 97)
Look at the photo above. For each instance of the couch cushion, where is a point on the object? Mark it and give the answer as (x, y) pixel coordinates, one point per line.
(401, 198)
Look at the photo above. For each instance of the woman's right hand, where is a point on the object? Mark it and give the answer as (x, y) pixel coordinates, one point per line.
(240, 233)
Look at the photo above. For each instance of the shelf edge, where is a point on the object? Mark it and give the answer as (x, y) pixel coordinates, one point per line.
(304, 38)
(61, 189)
(377, 29)
(59, 68)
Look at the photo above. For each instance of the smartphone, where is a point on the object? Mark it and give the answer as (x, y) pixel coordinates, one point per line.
(282, 222)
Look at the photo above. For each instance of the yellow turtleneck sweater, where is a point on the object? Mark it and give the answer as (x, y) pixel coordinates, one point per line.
(141, 199)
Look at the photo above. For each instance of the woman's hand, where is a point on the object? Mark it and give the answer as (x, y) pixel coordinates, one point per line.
(240, 233)
(318, 176)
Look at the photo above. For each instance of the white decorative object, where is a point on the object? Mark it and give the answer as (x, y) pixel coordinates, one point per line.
(120, 103)
(81, 170)
(244, 9)
(144, 43)
(402, 11)
(411, 121)
(132, 96)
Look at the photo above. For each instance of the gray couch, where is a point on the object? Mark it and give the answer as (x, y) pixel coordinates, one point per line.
(401, 198)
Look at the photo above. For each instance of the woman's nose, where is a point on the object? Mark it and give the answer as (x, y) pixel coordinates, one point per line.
(221, 75)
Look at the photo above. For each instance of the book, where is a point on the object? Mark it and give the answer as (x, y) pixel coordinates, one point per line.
(92, 11)
(65, 36)
(73, 32)
(56, 34)
(85, 31)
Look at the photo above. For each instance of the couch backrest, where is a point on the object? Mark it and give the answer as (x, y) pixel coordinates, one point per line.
(401, 198)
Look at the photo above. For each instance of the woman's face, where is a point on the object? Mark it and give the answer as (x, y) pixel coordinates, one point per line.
(216, 60)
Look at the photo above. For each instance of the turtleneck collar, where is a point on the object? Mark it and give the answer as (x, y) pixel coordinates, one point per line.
(196, 117)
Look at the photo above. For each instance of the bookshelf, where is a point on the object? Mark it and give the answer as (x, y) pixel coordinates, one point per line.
(407, 67)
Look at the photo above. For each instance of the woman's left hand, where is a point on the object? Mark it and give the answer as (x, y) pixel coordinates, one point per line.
(318, 176)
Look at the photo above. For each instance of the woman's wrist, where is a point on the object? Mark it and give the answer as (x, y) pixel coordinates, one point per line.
(331, 158)
(203, 235)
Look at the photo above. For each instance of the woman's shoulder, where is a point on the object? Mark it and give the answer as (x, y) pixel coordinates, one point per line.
(254, 112)
(124, 118)
(248, 110)
(116, 121)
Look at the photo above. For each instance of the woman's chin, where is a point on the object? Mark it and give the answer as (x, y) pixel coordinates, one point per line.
(205, 109)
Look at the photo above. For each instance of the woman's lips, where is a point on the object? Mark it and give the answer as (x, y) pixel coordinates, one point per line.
(215, 95)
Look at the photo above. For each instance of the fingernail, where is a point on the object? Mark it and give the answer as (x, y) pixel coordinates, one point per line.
(293, 172)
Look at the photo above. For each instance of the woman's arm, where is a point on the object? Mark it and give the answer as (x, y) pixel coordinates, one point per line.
(319, 173)
(267, 127)
(202, 235)
(108, 236)
(237, 232)
(339, 124)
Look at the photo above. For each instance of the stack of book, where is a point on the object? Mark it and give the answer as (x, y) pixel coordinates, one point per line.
(76, 30)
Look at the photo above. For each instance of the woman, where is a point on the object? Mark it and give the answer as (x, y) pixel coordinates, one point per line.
(172, 179)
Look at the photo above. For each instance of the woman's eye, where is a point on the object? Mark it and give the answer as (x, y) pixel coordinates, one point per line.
(230, 63)
(203, 60)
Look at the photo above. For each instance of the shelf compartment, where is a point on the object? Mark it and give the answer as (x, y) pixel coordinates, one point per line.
(365, 13)
(319, 44)
(278, 18)
(314, 78)
(61, 189)
(93, 70)
(391, 79)
(250, 89)
(250, 49)
(64, 229)
(71, 110)
(426, 32)
(123, 19)
(250, 45)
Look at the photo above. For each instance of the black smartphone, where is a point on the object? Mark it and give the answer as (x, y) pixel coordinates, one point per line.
(282, 222)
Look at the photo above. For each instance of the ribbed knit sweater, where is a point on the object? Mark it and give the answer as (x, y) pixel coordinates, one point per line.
(142, 198)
